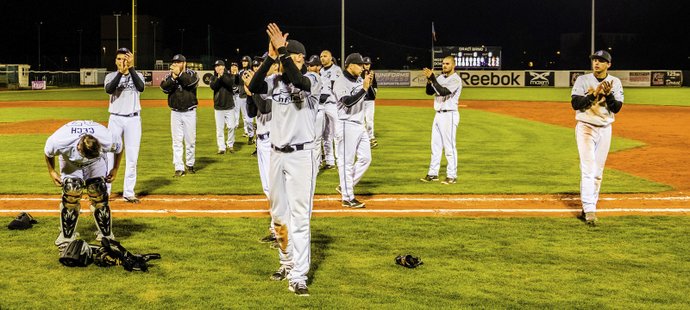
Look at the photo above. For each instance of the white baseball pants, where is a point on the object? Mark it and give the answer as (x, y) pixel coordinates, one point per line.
(292, 179)
(369, 118)
(263, 156)
(183, 127)
(130, 129)
(319, 126)
(330, 118)
(443, 139)
(593, 144)
(352, 141)
(225, 118)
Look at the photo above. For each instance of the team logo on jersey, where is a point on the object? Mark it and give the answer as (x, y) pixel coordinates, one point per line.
(356, 89)
(285, 97)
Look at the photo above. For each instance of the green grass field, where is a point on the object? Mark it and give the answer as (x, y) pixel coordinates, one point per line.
(211, 263)
(651, 96)
(626, 262)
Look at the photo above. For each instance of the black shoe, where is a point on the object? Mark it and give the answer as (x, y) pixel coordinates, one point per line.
(354, 204)
(131, 199)
(449, 181)
(374, 143)
(268, 239)
(280, 274)
(231, 150)
(191, 170)
(221, 152)
(429, 178)
(254, 153)
(250, 140)
(300, 289)
(327, 167)
(179, 173)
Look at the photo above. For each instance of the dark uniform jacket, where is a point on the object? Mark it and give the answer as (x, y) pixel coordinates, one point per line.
(373, 88)
(222, 91)
(181, 91)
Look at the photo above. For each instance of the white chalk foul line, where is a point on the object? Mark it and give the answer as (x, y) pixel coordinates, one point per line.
(390, 199)
(393, 211)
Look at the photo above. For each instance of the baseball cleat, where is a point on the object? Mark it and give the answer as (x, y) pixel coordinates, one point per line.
(231, 150)
(131, 199)
(374, 143)
(280, 274)
(220, 152)
(268, 239)
(327, 167)
(299, 288)
(191, 170)
(590, 218)
(429, 178)
(354, 204)
(253, 153)
(250, 140)
(449, 181)
(179, 173)
(337, 189)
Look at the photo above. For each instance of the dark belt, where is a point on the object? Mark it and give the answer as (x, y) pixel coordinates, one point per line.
(184, 110)
(126, 115)
(444, 111)
(289, 148)
(264, 136)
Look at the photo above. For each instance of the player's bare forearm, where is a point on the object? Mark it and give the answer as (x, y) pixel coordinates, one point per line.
(54, 176)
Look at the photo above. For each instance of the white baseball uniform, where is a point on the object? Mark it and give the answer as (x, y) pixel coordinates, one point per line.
(292, 175)
(446, 91)
(242, 103)
(63, 143)
(328, 77)
(263, 143)
(125, 119)
(593, 136)
(351, 136)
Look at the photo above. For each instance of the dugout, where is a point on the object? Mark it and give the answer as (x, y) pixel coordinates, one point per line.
(14, 76)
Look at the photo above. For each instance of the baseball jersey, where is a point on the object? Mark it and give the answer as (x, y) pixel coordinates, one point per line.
(601, 116)
(125, 99)
(328, 77)
(293, 110)
(349, 86)
(449, 102)
(263, 120)
(65, 140)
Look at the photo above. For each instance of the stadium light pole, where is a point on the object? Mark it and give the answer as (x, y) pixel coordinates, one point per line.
(592, 43)
(80, 31)
(117, 30)
(342, 33)
(39, 44)
(154, 40)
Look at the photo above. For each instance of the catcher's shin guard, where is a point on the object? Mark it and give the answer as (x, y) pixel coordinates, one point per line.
(98, 194)
(69, 209)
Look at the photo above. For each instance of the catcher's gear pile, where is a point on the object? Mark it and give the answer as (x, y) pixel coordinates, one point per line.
(408, 261)
(22, 221)
(111, 253)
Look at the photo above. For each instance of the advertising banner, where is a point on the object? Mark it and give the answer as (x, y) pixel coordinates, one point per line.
(539, 79)
(38, 85)
(392, 78)
(494, 78)
(667, 78)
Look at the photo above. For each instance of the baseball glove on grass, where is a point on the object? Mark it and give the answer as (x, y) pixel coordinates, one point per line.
(408, 261)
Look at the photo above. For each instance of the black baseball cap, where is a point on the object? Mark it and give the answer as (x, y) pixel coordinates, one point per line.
(233, 64)
(295, 47)
(122, 50)
(219, 63)
(354, 58)
(367, 60)
(314, 60)
(179, 58)
(601, 54)
(256, 63)
(247, 59)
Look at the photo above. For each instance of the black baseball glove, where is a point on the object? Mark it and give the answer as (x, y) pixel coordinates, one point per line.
(23, 221)
(408, 261)
(112, 253)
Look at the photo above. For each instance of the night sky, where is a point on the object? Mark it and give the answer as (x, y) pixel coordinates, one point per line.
(394, 33)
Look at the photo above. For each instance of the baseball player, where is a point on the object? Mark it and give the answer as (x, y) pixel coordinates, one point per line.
(81, 147)
(314, 65)
(242, 103)
(236, 92)
(596, 98)
(369, 103)
(446, 89)
(222, 83)
(351, 137)
(125, 87)
(259, 106)
(329, 73)
(180, 85)
(294, 167)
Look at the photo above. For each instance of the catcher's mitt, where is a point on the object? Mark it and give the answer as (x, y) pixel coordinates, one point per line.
(408, 261)
(23, 221)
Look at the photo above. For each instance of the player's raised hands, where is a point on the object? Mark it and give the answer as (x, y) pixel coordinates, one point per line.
(129, 60)
(247, 76)
(367, 80)
(428, 73)
(272, 52)
(278, 39)
(606, 88)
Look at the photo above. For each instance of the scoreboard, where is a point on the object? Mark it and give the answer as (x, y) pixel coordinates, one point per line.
(469, 57)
